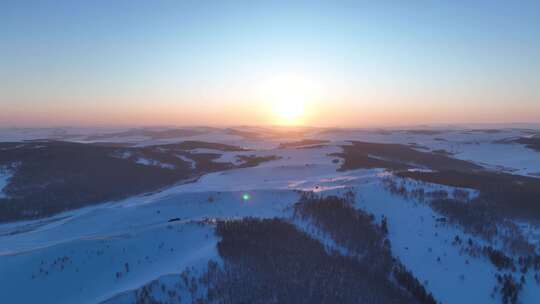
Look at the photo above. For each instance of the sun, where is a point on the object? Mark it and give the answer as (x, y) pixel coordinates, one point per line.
(289, 99)
(289, 110)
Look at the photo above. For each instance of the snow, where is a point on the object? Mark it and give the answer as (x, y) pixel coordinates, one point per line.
(512, 158)
(412, 233)
(5, 175)
(63, 133)
(191, 162)
(90, 275)
(100, 240)
(466, 142)
(125, 154)
(323, 237)
(479, 147)
(91, 245)
(152, 162)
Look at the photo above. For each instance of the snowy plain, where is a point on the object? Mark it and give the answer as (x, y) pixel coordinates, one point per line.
(93, 254)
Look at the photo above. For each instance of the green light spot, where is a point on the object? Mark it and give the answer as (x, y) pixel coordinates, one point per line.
(246, 196)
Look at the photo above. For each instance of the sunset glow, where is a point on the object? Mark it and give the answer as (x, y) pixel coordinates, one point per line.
(309, 63)
(289, 98)
(289, 110)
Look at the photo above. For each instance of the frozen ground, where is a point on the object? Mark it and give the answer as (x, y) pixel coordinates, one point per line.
(102, 252)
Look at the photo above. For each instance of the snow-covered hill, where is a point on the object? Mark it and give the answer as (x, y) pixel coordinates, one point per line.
(109, 251)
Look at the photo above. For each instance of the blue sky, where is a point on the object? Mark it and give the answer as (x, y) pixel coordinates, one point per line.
(201, 62)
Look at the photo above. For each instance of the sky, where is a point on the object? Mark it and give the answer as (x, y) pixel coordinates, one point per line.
(319, 63)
